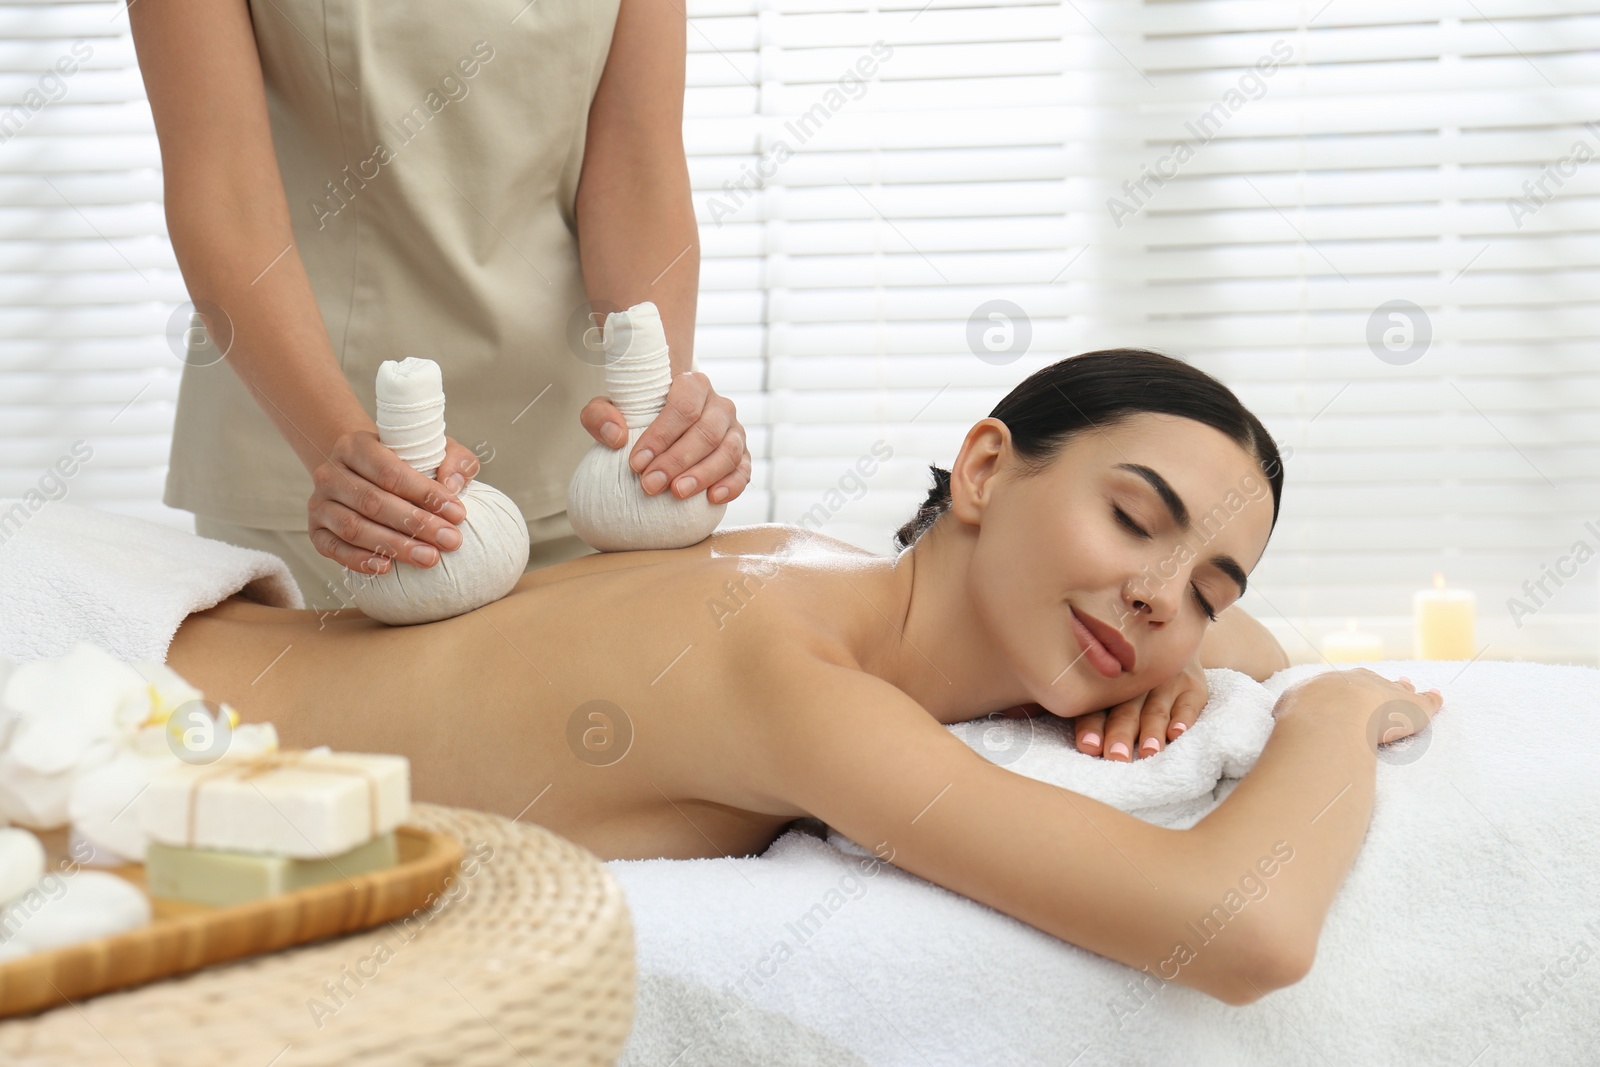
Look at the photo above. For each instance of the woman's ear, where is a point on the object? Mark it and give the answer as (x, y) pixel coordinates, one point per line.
(983, 450)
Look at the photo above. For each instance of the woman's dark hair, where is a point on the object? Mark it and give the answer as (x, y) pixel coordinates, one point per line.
(1097, 389)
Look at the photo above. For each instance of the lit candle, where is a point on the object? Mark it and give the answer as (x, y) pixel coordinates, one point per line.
(1351, 646)
(1444, 621)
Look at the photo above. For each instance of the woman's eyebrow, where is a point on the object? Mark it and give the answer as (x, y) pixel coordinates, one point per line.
(1180, 516)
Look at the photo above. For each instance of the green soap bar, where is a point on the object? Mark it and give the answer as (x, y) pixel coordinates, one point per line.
(207, 876)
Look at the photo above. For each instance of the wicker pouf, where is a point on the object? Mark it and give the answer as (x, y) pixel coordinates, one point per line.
(526, 959)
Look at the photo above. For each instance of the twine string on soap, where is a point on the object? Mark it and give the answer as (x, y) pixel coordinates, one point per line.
(266, 763)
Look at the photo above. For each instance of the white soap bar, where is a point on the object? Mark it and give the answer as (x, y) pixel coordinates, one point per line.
(68, 908)
(21, 863)
(307, 805)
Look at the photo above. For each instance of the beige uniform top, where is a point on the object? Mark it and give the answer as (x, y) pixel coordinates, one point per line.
(430, 155)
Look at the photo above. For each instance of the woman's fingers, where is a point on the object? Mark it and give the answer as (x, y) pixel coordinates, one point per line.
(686, 440)
(1185, 710)
(1153, 721)
(1089, 732)
(347, 537)
(369, 506)
(605, 422)
(1122, 730)
(731, 450)
(459, 467)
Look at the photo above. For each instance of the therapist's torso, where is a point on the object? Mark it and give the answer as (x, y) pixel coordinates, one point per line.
(430, 155)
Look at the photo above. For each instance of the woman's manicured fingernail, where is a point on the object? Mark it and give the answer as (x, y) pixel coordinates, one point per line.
(455, 482)
(654, 480)
(611, 433)
(422, 554)
(1178, 727)
(686, 486)
(719, 494)
(1152, 744)
(641, 459)
(1091, 739)
(1119, 749)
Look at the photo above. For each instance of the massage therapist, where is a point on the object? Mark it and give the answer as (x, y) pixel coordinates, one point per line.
(349, 182)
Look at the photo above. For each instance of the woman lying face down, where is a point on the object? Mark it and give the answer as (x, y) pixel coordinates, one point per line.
(693, 702)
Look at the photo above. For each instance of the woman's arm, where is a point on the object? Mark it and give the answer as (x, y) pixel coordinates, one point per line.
(869, 761)
(228, 217)
(1240, 642)
(229, 224)
(637, 236)
(638, 240)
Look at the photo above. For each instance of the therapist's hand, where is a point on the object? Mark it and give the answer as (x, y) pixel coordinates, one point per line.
(368, 506)
(695, 444)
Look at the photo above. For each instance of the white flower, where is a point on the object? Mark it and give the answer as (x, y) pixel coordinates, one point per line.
(68, 715)
(82, 734)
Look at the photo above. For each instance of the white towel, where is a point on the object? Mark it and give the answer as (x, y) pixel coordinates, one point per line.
(1467, 930)
(70, 573)
(1174, 787)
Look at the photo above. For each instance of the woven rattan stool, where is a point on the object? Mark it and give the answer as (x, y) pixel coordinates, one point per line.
(526, 959)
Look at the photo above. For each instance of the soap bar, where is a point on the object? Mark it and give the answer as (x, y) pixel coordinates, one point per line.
(208, 876)
(302, 804)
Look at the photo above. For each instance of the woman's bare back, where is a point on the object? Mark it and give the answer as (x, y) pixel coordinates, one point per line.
(616, 698)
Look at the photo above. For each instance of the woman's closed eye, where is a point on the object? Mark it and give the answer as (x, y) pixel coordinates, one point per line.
(1123, 518)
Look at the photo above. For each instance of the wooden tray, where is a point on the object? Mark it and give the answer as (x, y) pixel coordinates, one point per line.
(183, 937)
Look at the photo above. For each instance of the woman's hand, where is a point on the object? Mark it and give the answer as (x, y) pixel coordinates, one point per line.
(1151, 719)
(694, 443)
(369, 506)
(1392, 710)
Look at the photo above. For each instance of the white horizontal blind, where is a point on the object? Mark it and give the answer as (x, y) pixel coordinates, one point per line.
(1374, 164)
(956, 171)
(87, 276)
(1425, 152)
(851, 229)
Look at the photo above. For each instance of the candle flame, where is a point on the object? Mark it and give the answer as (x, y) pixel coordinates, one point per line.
(1438, 579)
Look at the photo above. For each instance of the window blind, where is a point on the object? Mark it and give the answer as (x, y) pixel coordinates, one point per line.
(1336, 158)
(873, 182)
(87, 381)
(1388, 247)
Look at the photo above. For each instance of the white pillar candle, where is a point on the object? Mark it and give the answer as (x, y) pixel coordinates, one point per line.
(1445, 622)
(1350, 645)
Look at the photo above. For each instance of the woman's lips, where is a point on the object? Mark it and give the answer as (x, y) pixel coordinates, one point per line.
(1099, 657)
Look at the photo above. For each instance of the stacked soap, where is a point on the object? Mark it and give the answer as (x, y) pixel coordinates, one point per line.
(244, 829)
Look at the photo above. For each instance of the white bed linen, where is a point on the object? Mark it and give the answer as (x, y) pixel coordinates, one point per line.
(1466, 933)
